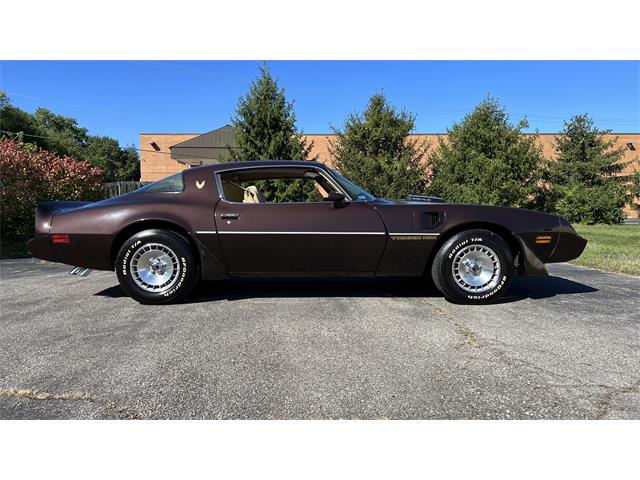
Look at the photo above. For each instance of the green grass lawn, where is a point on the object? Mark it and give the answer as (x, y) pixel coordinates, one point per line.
(614, 248)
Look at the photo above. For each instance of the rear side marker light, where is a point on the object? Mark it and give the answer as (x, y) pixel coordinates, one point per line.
(543, 239)
(60, 238)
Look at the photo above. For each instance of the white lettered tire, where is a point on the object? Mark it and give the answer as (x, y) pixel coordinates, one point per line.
(473, 267)
(156, 266)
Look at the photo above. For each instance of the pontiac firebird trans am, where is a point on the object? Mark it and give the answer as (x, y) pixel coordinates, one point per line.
(222, 221)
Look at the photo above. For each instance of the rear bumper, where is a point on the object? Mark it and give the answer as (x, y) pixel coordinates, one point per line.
(87, 251)
(40, 247)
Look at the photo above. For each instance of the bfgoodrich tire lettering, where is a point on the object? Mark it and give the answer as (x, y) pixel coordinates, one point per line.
(473, 267)
(156, 266)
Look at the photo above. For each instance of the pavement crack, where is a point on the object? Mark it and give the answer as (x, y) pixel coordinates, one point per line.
(469, 337)
(437, 308)
(606, 404)
(29, 394)
(497, 348)
(37, 395)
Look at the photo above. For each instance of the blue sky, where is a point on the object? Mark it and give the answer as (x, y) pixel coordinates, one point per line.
(123, 98)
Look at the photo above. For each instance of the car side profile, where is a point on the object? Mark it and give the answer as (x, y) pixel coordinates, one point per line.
(295, 218)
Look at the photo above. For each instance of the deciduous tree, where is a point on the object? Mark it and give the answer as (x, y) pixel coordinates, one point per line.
(64, 137)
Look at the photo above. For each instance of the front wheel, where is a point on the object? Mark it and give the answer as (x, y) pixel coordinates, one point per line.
(473, 267)
(156, 266)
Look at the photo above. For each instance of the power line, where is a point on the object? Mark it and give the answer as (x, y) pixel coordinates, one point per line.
(437, 111)
(31, 97)
(62, 140)
(446, 111)
(186, 71)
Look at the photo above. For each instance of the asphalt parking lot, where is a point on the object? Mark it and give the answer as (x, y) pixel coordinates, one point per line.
(562, 347)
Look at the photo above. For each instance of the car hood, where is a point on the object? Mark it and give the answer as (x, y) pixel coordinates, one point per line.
(411, 201)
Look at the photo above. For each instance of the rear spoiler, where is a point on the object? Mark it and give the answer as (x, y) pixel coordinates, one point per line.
(425, 198)
(46, 210)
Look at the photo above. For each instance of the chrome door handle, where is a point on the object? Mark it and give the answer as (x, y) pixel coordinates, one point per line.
(229, 215)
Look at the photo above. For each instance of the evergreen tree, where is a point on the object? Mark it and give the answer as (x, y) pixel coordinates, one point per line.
(265, 129)
(375, 151)
(634, 188)
(583, 183)
(487, 160)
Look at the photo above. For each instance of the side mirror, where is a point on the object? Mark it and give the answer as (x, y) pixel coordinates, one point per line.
(337, 198)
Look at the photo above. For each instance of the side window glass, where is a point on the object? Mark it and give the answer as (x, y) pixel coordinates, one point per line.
(278, 185)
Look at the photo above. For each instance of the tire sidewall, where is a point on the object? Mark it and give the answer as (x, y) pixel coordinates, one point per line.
(448, 252)
(188, 266)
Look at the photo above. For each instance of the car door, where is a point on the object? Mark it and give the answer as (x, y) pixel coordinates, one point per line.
(315, 238)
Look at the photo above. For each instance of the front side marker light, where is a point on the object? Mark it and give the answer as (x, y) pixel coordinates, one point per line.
(543, 239)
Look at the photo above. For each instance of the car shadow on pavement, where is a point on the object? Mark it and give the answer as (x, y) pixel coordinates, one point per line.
(242, 289)
(543, 287)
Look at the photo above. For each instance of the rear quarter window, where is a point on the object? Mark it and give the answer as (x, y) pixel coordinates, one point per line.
(174, 183)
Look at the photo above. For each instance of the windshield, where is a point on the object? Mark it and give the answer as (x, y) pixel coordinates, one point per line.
(354, 191)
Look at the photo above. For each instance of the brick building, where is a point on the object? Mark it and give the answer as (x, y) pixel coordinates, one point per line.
(162, 154)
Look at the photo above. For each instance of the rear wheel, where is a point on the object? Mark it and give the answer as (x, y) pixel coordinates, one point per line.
(156, 266)
(473, 267)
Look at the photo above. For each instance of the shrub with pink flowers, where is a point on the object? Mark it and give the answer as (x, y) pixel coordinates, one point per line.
(29, 175)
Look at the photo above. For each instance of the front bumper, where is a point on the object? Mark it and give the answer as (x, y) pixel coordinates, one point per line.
(569, 247)
(549, 244)
(528, 262)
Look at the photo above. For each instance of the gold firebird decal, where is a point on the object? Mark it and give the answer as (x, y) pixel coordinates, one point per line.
(200, 185)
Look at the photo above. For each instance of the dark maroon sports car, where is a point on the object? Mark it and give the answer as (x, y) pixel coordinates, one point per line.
(222, 221)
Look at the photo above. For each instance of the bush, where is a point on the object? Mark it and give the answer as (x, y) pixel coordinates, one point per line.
(591, 204)
(29, 175)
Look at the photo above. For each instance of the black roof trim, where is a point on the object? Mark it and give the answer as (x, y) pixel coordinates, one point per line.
(261, 163)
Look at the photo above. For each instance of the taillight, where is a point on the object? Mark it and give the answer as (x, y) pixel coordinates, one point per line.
(60, 238)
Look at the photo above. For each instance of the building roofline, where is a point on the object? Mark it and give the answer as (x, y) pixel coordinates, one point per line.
(417, 133)
(445, 133)
(560, 133)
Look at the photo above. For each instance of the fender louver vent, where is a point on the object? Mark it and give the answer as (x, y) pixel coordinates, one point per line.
(424, 220)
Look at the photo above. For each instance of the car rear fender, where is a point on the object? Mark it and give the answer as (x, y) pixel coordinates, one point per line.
(210, 266)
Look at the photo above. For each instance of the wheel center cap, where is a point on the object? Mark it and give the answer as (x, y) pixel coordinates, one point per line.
(157, 266)
(474, 268)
